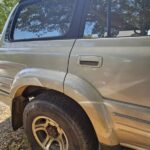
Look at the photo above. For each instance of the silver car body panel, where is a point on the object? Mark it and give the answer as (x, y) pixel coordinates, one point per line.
(39, 62)
(91, 101)
(122, 81)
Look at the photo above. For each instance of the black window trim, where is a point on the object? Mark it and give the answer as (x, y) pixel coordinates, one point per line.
(109, 18)
(72, 31)
(83, 21)
(83, 18)
(108, 23)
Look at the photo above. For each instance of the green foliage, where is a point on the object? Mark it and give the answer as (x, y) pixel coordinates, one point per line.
(5, 9)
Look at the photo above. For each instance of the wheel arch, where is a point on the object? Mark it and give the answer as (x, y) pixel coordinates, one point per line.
(27, 84)
(23, 94)
(78, 90)
(86, 95)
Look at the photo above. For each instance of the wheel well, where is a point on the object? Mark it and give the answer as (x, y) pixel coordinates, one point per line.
(27, 95)
(22, 97)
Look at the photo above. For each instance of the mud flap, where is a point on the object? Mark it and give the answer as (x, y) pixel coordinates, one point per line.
(18, 106)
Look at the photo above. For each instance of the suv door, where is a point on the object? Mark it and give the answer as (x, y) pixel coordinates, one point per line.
(114, 57)
(39, 35)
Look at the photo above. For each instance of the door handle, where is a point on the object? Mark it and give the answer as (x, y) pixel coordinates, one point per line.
(93, 61)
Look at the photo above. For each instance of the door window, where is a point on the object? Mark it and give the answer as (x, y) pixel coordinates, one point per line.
(118, 18)
(44, 18)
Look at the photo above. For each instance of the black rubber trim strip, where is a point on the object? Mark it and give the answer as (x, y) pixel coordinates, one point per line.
(5, 92)
(121, 102)
(107, 147)
(131, 118)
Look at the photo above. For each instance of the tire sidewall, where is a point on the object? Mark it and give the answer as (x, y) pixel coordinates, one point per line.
(43, 108)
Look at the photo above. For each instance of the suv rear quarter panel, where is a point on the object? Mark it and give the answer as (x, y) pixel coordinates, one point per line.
(122, 80)
(48, 57)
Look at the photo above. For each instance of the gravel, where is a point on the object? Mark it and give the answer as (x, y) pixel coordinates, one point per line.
(10, 140)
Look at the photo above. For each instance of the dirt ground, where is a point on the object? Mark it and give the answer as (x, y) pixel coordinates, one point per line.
(10, 140)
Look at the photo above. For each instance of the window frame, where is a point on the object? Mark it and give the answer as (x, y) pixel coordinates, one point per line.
(71, 33)
(83, 18)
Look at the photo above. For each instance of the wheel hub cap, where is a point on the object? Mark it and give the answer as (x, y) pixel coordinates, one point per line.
(52, 131)
(48, 134)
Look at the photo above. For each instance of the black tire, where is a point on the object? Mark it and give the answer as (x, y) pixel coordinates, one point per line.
(67, 114)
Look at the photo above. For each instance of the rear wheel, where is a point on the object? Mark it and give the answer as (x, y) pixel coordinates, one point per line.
(53, 122)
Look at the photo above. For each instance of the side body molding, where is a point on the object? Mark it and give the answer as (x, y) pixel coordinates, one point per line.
(92, 103)
(38, 77)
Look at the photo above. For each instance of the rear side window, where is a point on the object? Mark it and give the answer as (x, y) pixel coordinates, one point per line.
(43, 19)
(117, 18)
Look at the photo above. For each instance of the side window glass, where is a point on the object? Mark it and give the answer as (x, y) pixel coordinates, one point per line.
(117, 18)
(149, 32)
(130, 18)
(44, 18)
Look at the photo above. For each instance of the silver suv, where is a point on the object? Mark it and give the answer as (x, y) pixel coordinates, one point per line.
(78, 73)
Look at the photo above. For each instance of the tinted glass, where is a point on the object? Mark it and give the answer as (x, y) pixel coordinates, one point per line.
(124, 18)
(44, 18)
(130, 18)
